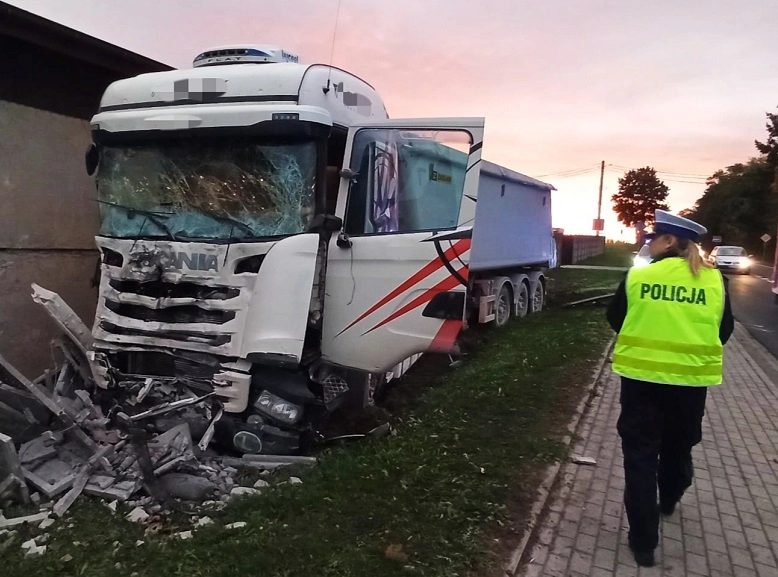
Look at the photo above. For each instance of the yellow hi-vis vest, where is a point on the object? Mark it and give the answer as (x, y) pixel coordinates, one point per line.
(671, 332)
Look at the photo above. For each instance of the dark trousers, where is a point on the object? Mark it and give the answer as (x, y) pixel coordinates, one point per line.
(658, 425)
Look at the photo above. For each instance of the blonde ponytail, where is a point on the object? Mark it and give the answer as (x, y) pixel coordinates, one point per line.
(691, 253)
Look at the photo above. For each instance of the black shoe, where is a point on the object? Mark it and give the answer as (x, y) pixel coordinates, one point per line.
(667, 508)
(643, 558)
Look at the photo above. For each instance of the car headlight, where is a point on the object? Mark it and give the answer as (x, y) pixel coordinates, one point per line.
(278, 408)
(744, 263)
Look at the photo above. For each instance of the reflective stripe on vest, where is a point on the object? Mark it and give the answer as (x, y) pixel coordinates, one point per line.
(671, 331)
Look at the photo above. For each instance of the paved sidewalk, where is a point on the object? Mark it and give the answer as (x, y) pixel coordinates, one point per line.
(727, 522)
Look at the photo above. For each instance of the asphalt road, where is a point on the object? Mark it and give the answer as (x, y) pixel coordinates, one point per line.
(753, 305)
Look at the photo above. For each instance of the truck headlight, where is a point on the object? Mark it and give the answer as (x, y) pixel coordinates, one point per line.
(278, 408)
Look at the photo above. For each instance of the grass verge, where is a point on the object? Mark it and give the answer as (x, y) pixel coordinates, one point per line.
(447, 496)
(569, 284)
(615, 254)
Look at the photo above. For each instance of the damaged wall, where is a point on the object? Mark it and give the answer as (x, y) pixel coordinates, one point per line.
(47, 228)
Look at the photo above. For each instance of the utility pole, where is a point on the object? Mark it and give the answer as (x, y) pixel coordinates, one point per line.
(599, 201)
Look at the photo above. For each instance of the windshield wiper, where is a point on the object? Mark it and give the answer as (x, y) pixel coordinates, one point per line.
(149, 214)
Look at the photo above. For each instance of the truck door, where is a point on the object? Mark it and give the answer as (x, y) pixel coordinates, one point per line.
(396, 275)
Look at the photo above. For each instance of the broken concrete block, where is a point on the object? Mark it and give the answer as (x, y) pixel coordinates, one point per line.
(35, 551)
(137, 515)
(66, 558)
(102, 481)
(243, 491)
(13, 522)
(51, 478)
(11, 474)
(64, 316)
(61, 506)
(10, 374)
(111, 506)
(46, 523)
(35, 451)
(204, 521)
(261, 484)
(187, 487)
(177, 441)
(295, 481)
(184, 535)
(580, 460)
(119, 492)
(52, 438)
(236, 525)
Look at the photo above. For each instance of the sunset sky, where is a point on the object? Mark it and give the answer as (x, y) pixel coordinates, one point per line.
(680, 85)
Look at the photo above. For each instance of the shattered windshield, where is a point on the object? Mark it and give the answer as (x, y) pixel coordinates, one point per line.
(215, 189)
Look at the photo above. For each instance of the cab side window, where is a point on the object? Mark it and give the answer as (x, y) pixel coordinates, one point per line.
(407, 181)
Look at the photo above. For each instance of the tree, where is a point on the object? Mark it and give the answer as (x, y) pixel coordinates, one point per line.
(738, 204)
(770, 146)
(640, 194)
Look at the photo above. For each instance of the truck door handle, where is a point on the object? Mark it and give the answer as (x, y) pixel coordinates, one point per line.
(344, 241)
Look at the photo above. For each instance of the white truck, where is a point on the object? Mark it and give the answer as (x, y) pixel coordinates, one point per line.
(274, 245)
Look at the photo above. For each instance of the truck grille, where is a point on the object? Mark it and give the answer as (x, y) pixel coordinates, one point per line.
(160, 289)
(164, 364)
(173, 314)
(185, 336)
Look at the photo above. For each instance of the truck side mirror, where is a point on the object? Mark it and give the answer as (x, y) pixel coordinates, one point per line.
(92, 158)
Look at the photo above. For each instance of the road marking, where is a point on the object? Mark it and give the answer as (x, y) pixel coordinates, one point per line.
(760, 328)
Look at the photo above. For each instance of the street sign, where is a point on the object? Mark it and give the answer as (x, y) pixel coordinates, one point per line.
(765, 237)
(716, 240)
(598, 224)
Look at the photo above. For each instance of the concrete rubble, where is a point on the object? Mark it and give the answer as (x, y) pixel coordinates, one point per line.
(136, 447)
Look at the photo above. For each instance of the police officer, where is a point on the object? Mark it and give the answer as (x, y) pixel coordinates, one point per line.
(673, 318)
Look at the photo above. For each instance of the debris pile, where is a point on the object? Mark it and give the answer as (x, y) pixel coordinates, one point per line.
(67, 437)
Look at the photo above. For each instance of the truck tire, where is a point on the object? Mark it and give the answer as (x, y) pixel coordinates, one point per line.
(503, 305)
(538, 297)
(522, 300)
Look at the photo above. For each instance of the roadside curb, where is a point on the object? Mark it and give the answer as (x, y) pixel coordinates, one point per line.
(552, 474)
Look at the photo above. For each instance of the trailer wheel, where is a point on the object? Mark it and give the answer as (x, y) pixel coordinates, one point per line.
(538, 296)
(503, 306)
(522, 302)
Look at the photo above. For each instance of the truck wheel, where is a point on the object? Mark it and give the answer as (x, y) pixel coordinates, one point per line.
(503, 306)
(522, 303)
(538, 297)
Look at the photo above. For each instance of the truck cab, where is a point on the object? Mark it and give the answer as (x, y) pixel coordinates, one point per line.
(271, 242)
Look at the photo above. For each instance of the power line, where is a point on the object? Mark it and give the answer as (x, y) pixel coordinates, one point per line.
(681, 179)
(571, 172)
(680, 174)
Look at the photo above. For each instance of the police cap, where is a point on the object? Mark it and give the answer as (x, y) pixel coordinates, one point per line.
(666, 223)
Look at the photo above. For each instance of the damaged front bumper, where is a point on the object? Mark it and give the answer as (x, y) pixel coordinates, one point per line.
(133, 367)
(162, 387)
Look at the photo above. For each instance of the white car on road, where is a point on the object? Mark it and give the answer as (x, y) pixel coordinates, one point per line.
(731, 258)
